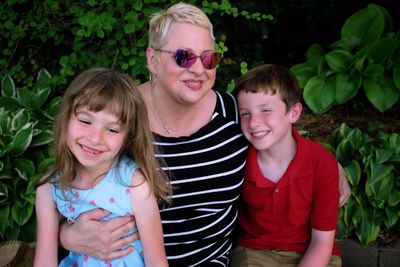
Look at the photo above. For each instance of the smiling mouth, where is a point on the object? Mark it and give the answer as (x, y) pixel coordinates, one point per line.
(90, 150)
(260, 134)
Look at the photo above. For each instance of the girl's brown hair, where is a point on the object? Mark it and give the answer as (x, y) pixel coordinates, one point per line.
(100, 89)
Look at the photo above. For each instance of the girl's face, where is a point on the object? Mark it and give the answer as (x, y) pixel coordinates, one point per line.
(264, 120)
(95, 138)
(184, 85)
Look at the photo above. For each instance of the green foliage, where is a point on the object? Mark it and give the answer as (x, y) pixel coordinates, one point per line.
(367, 56)
(26, 118)
(83, 34)
(372, 165)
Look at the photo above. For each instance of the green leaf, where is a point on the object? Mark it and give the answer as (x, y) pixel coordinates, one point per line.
(303, 73)
(315, 54)
(374, 71)
(45, 137)
(21, 140)
(366, 229)
(394, 198)
(392, 217)
(394, 143)
(382, 93)
(381, 50)
(52, 107)
(5, 218)
(319, 94)
(19, 120)
(21, 213)
(366, 26)
(25, 97)
(24, 167)
(345, 89)
(40, 97)
(3, 193)
(9, 103)
(8, 87)
(43, 79)
(339, 60)
(396, 77)
(353, 172)
(383, 155)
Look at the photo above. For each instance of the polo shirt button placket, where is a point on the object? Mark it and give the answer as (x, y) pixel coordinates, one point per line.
(277, 190)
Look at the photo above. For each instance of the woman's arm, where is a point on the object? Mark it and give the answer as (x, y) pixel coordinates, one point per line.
(148, 222)
(104, 240)
(47, 235)
(344, 187)
(320, 249)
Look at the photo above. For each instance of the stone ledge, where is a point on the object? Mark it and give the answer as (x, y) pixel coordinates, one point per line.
(373, 255)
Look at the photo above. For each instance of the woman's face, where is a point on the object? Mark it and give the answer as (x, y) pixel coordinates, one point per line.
(184, 85)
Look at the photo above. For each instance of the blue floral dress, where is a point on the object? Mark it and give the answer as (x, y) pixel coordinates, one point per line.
(112, 193)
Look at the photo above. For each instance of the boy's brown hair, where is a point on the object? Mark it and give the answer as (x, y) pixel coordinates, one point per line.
(271, 78)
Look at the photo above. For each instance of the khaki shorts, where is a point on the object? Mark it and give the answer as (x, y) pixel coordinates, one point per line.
(246, 257)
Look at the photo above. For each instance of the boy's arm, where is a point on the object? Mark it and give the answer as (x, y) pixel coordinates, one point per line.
(320, 249)
(46, 252)
(148, 221)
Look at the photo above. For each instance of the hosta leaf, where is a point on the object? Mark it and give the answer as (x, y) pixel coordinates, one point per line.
(19, 120)
(381, 50)
(24, 167)
(392, 217)
(383, 94)
(3, 193)
(366, 26)
(394, 198)
(339, 60)
(43, 79)
(21, 213)
(353, 172)
(8, 87)
(366, 229)
(345, 88)
(383, 155)
(21, 141)
(40, 97)
(396, 77)
(315, 54)
(319, 94)
(45, 137)
(5, 218)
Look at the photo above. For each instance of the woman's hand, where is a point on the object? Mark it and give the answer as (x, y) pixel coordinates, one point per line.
(101, 239)
(344, 187)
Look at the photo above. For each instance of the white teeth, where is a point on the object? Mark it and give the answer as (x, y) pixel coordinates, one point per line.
(89, 150)
(259, 134)
(192, 83)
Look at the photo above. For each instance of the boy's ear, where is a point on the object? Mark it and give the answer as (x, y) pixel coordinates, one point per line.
(295, 112)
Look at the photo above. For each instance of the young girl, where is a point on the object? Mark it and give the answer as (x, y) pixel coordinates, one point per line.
(104, 158)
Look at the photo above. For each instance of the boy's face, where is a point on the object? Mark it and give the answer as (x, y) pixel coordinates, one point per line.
(264, 119)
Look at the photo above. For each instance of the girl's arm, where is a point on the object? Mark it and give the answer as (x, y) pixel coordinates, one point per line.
(46, 253)
(148, 222)
(320, 249)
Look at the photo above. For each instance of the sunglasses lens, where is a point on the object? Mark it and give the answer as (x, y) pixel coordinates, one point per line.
(210, 60)
(186, 59)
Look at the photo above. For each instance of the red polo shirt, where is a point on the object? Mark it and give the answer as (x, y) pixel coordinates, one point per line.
(280, 216)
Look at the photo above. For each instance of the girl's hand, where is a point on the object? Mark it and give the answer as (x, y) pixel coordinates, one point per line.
(101, 239)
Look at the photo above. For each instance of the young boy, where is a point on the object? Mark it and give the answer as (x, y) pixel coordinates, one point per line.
(289, 207)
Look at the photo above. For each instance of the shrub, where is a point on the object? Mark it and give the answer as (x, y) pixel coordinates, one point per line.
(367, 56)
(372, 165)
(26, 117)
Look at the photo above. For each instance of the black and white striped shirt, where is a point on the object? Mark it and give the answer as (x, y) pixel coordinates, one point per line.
(206, 170)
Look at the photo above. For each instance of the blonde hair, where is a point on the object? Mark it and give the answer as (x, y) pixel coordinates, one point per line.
(160, 22)
(102, 89)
